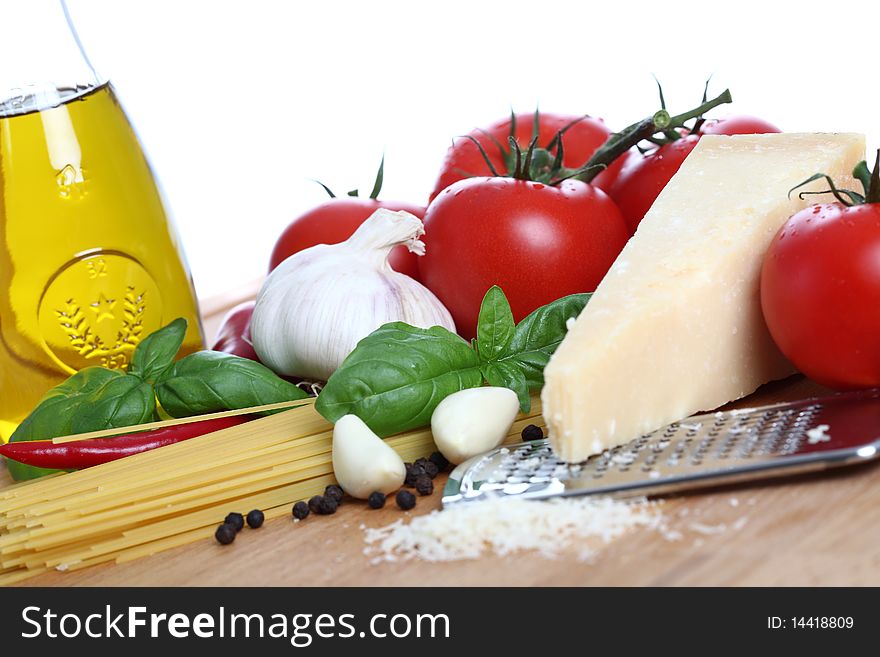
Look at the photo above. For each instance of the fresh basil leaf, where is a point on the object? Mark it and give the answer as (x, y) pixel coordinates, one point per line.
(84, 381)
(537, 336)
(396, 376)
(92, 399)
(120, 402)
(209, 381)
(495, 325)
(157, 351)
(509, 375)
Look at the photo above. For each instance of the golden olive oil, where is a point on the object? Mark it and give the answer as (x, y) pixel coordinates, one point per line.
(89, 262)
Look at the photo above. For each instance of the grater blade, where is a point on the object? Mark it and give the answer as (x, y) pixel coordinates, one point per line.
(701, 451)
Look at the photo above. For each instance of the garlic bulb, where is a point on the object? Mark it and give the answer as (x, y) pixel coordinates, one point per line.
(316, 305)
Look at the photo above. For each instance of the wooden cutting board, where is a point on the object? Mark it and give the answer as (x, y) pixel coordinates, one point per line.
(819, 529)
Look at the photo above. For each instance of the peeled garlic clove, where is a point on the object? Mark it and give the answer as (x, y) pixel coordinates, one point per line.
(362, 462)
(473, 421)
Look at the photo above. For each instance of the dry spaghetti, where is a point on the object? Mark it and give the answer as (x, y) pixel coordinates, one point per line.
(174, 495)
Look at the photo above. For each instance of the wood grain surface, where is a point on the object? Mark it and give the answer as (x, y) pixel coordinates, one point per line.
(819, 529)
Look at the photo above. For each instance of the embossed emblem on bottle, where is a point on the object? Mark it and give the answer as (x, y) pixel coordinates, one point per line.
(97, 309)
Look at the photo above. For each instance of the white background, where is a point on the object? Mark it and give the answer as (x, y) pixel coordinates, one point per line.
(240, 104)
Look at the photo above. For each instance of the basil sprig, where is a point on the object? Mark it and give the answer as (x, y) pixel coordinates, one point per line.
(537, 336)
(97, 398)
(397, 375)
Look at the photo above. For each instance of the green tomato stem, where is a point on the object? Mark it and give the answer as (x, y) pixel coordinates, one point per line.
(620, 142)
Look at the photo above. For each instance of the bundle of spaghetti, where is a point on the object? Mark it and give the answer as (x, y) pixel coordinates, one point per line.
(174, 495)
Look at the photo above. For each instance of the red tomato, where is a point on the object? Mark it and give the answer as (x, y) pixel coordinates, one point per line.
(605, 179)
(738, 125)
(820, 293)
(641, 181)
(579, 142)
(537, 242)
(234, 335)
(334, 221)
(643, 177)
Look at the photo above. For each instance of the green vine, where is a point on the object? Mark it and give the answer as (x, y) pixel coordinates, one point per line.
(869, 179)
(542, 165)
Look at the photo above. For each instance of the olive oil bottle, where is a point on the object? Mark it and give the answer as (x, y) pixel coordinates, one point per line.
(89, 262)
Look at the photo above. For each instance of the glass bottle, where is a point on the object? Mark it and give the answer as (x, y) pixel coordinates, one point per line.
(89, 262)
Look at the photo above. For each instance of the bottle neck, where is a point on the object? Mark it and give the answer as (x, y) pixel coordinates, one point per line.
(44, 62)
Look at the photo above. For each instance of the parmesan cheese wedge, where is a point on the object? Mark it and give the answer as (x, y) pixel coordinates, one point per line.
(676, 326)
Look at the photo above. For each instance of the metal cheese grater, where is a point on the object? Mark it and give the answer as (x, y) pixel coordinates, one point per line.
(704, 450)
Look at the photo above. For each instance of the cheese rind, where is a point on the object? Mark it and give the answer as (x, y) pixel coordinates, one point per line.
(675, 327)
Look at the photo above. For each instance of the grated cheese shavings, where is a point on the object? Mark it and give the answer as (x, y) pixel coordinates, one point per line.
(818, 434)
(708, 530)
(502, 526)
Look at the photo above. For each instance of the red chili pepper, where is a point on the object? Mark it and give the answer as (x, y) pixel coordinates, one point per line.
(94, 451)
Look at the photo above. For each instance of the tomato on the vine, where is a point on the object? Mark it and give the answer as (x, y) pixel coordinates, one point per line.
(640, 183)
(820, 288)
(336, 220)
(643, 177)
(606, 178)
(538, 242)
(737, 125)
(542, 233)
(582, 136)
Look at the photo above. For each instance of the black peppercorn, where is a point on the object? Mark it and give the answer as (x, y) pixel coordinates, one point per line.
(315, 504)
(413, 472)
(335, 492)
(255, 519)
(405, 500)
(327, 506)
(300, 510)
(532, 432)
(376, 500)
(225, 533)
(431, 470)
(424, 485)
(236, 520)
(439, 460)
